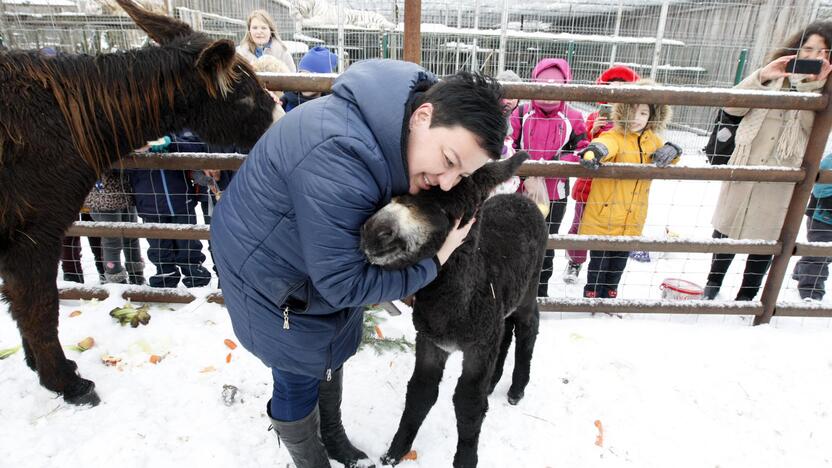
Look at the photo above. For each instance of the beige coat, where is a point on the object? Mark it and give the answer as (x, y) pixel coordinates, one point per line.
(756, 210)
(278, 50)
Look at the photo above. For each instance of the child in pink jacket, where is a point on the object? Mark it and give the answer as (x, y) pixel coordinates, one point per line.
(552, 131)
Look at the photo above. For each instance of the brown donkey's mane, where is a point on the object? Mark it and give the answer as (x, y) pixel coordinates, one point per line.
(100, 97)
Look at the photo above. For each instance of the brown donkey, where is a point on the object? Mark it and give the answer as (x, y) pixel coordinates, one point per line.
(66, 118)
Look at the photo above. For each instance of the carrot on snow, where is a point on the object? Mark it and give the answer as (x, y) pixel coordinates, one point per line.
(228, 358)
(230, 344)
(599, 439)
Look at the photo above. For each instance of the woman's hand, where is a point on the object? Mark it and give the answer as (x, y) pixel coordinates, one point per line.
(775, 69)
(825, 69)
(455, 238)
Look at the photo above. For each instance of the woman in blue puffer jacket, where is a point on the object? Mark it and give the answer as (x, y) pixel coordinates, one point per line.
(286, 231)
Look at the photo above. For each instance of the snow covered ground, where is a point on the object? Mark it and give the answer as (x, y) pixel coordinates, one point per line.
(681, 391)
(710, 392)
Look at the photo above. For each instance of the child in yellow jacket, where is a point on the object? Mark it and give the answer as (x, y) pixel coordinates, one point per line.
(618, 207)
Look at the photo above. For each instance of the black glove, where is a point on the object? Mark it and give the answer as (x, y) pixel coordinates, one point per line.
(590, 157)
(665, 155)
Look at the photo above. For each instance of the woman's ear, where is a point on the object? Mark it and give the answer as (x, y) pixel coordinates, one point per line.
(422, 116)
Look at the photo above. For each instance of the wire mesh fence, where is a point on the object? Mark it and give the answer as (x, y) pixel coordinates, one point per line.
(706, 44)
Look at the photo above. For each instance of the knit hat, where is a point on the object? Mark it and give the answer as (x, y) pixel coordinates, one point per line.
(618, 72)
(319, 60)
(508, 75)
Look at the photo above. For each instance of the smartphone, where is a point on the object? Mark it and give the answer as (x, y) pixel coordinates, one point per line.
(605, 110)
(804, 66)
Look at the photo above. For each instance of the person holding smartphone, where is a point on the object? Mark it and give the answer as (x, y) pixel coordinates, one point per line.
(768, 137)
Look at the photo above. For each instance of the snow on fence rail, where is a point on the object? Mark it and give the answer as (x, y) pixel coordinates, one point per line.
(783, 249)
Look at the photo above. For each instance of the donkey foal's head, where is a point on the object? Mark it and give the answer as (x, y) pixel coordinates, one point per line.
(413, 227)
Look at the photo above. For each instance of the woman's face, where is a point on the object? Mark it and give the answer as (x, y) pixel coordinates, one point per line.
(259, 31)
(815, 48)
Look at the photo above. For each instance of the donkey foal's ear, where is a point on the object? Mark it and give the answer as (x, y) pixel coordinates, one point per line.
(215, 65)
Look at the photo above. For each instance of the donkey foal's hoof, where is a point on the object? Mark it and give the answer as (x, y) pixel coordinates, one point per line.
(82, 393)
(514, 399)
(387, 460)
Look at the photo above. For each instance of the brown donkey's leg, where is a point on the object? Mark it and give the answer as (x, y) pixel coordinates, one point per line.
(29, 285)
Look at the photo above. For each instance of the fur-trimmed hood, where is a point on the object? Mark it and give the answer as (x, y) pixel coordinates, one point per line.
(660, 114)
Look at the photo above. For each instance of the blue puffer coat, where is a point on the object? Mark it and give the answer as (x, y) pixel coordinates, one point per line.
(286, 232)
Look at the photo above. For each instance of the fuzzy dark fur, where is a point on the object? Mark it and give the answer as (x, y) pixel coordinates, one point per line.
(460, 310)
(66, 118)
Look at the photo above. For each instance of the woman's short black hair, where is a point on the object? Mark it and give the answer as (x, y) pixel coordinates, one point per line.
(472, 101)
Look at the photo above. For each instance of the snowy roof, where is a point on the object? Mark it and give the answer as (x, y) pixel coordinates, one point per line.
(565, 37)
(55, 3)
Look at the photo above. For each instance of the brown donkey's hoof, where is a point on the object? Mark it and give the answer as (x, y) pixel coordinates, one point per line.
(81, 393)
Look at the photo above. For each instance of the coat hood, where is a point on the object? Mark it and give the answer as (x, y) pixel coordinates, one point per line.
(383, 91)
(660, 114)
(547, 63)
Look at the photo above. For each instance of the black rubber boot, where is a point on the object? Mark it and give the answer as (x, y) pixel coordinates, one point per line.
(338, 446)
(711, 290)
(302, 439)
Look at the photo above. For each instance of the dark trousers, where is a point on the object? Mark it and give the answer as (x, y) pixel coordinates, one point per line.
(71, 255)
(172, 256)
(811, 272)
(604, 272)
(556, 210)
(755, 269)
(294, 396)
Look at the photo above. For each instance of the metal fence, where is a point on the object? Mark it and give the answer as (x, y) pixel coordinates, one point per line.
(783, 250)
(691, 43)
(468, 40)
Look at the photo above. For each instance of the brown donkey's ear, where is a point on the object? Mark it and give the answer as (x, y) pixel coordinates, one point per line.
(216, 67)
(160, 28)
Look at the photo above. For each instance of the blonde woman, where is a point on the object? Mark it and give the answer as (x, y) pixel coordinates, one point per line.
(261, 39)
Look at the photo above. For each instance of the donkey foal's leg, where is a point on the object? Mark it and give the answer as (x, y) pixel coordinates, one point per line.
(527, 318)
(422, 391)
(471, 403)
(505, 343)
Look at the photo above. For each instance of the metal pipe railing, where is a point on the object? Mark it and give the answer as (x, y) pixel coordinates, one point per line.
(233, 162)
(783, 249)
(714, 97)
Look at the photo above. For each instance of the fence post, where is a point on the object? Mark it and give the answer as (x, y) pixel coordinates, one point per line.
(570, 52)
(475, 65)
(413, 31)
(740, 66)
(501, 60)
(459, 36)
(340, 6)
(797, 206)
(659, 38)
(617, 31)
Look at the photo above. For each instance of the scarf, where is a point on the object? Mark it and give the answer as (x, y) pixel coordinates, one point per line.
(792, 142)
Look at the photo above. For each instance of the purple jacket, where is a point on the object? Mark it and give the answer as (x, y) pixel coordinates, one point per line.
(552, 136)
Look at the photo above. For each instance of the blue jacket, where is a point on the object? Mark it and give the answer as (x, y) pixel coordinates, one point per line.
(286, 232)
(163, 191)
(820, 205)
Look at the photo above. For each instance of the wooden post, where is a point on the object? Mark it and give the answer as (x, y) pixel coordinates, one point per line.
(412, 31)
(797, 206)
